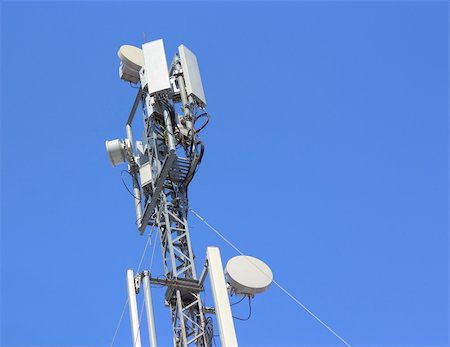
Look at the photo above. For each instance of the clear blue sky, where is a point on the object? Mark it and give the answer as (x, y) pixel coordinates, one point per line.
(327, 156)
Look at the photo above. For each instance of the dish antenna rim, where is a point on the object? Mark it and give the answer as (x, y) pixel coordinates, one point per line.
(248, 275)
(131, 56)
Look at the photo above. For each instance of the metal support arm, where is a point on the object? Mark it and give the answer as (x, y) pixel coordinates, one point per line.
(150, 206)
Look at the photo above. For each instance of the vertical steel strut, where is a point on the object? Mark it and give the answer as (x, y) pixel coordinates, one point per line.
(161, 166)
(171, 176)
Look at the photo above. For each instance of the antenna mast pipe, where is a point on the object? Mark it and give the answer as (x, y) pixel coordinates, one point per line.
(149, 309)
(133, 169)
(134, 319)
(184, 97)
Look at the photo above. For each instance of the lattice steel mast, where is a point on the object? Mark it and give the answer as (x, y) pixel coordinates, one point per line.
(162, 165)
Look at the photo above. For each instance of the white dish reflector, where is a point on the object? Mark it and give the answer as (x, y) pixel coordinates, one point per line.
(131, 56)
(248, 275)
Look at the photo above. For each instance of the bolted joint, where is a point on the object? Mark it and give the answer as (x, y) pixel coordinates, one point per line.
(137, 283)
(178, 72)
(209, 310)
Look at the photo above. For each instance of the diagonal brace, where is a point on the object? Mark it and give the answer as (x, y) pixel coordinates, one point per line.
(159, 184)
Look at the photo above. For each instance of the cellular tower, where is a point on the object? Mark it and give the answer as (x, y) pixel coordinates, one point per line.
(162, 165)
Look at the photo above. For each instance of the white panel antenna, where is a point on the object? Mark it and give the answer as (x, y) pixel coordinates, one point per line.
(191, 75)
(156, 71)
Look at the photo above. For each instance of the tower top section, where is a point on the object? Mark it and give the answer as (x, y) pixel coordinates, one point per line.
(149, 65)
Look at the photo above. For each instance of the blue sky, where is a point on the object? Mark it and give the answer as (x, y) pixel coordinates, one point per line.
(326, 156)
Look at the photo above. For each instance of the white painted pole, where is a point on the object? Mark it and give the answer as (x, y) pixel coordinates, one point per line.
(149, 309)
(221, 301)
(134, 319)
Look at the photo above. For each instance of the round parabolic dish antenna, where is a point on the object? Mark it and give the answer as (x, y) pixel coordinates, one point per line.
(131, 56)
(248, 275)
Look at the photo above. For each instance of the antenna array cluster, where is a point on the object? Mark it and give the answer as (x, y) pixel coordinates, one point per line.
(162, 165)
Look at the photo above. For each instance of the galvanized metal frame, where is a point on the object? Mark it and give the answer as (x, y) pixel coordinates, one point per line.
(168, 204)
(164, 201)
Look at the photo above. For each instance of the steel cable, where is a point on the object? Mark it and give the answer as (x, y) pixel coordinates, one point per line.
(138, 268)
(119, 323)
(275, 282)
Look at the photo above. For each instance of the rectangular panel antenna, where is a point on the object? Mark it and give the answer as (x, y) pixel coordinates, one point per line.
(156, 67)
(191, 75)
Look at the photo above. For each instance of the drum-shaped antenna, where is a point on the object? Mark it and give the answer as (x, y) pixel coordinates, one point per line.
(131, 56)
(131, 62)
(248, 275)
(116, 151)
